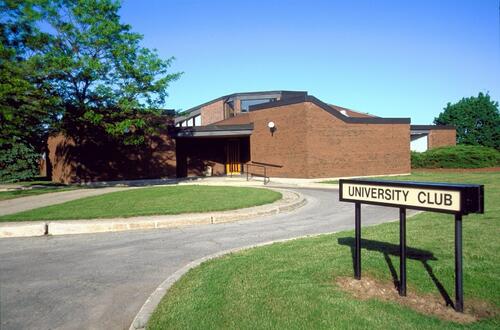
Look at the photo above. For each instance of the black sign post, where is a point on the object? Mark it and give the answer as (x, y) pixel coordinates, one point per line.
(357, 220)
(459, 289)
(402, 251)
(457, 199)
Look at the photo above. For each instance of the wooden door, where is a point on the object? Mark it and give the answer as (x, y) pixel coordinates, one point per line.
(233, 163)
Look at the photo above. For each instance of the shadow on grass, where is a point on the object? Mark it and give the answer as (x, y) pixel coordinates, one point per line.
(388, 249)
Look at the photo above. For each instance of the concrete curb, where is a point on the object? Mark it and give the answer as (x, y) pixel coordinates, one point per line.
(141, 319)
(290, 201)
(23, 229)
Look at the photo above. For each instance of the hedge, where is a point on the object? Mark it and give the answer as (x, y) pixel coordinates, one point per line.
(460, 156)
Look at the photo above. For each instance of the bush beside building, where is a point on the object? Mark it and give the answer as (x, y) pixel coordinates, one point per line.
(460, 156)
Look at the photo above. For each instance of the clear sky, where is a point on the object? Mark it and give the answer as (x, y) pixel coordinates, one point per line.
(389, 58)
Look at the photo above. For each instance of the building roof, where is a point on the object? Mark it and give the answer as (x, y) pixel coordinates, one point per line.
(417, 131)
(284, 94)
(328, 108)
(350, 112)
(429, 127)
(293, 97)
(214, 131)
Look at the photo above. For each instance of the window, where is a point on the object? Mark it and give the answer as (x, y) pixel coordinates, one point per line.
(246, 104)
(197, 121)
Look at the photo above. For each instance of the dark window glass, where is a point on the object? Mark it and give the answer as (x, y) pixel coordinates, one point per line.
(245, 104)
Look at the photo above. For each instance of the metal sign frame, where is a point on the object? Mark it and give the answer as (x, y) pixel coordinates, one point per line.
(471, 201)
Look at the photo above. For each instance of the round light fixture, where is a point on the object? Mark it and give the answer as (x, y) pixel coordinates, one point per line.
(271, 124)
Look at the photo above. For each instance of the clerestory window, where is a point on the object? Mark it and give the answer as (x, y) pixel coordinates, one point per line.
(246, 104)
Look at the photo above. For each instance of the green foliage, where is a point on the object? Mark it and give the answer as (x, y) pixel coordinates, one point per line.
(460, 156)
(476, 119)
(26, 105)
(79, 57)
(18, 161)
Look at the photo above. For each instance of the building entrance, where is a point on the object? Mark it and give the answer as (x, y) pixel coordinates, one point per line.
(233, 162)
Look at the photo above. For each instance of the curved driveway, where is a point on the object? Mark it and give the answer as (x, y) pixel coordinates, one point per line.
(100, 281)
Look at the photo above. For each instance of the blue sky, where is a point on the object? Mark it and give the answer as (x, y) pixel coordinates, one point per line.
(389, 58)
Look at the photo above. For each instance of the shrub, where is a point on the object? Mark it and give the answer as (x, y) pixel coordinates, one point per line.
(18, 162)
(460, 156)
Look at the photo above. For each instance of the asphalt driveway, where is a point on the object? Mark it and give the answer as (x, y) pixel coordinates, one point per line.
(100, 281)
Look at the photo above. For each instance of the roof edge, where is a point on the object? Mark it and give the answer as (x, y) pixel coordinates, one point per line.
(188, 111)
(213, 131)
(431, 127)
(208, 128)
(330, 110)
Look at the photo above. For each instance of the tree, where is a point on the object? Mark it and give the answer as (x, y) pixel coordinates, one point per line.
(476, 119)
(105, 79)
(18, 161)
(25, 105)
(93, 65)
(72, 66)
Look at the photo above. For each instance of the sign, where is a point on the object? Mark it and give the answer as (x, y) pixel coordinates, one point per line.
(459, 199)
(445, 197)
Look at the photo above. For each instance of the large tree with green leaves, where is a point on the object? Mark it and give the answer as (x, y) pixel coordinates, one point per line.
(73, 66)
(98, 68)
(476, 119)
(26, 105)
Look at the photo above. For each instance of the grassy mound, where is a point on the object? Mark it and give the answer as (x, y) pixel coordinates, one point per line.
(151, 201)
(460, 156)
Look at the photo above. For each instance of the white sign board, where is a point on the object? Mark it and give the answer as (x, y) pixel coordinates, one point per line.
(439, 199)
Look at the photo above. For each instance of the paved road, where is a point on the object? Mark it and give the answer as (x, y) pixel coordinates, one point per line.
(100, 281)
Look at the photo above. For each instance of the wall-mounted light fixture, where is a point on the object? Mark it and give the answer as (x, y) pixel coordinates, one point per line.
(272, 127)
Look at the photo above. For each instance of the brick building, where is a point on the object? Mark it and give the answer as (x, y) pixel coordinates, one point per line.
(289, 134)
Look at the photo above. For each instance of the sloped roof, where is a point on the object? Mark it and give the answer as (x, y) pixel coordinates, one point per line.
(214, 131)
(328, 108)
(240, 119)
(352, 113)
(293, 97)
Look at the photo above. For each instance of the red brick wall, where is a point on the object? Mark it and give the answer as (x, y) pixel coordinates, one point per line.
(311, 143)
(212, 113)
(237, 106)
(441, 138)
(107, 161)
(286, 150)
(340, 149)
(63, 167)
(243, 118)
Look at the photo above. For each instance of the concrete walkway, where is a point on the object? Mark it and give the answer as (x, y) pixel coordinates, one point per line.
(100, 281)
(20, 204)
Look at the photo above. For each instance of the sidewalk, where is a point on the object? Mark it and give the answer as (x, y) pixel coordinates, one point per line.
(20, 204)
(258, 182)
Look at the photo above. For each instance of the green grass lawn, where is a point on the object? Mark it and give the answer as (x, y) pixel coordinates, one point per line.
(151, 201)
(292, 285)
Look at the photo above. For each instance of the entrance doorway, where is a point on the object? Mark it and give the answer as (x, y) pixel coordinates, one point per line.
(233, 162)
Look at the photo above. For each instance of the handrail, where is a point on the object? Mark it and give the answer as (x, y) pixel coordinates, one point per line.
(266, 178)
